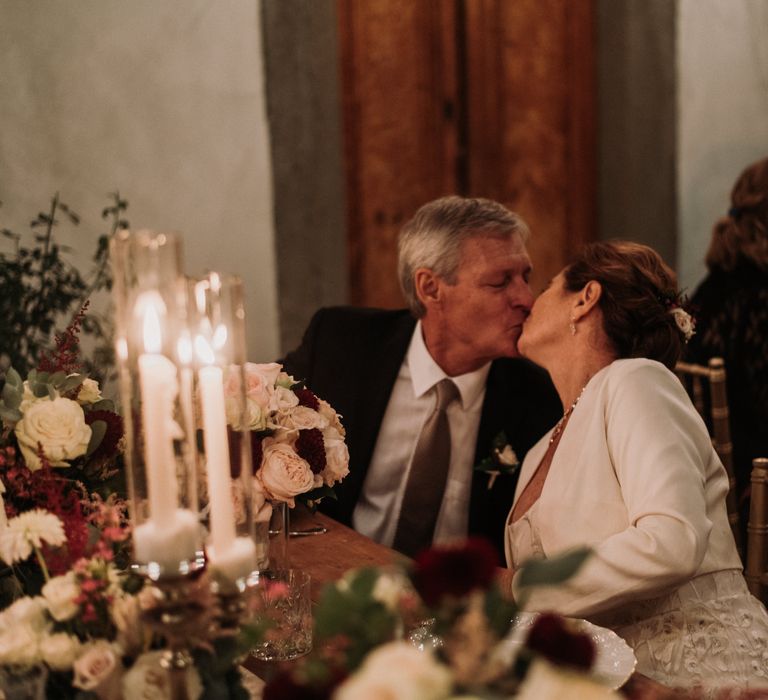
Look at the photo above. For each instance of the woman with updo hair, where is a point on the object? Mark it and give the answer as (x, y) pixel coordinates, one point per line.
(731, 310)
(630, 470)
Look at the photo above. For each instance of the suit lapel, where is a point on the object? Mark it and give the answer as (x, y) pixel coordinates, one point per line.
(376, 380)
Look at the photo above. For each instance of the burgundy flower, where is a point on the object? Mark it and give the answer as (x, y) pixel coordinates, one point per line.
(310, 447)
(108, 446)
(550, 637)
(307, 398)
(454, 570)
(286, 686)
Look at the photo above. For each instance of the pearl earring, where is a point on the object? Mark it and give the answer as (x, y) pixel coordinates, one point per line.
(573, 326)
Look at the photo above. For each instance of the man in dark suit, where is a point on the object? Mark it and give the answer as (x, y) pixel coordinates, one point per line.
(464, 270)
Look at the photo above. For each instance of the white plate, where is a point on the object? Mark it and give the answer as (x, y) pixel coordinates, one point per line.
(614, 659)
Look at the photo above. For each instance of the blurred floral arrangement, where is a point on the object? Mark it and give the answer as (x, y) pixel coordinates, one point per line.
(431, 630)
(297, 439)
(70, 610)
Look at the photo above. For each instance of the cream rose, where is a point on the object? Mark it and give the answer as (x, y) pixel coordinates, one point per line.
(326, 410)
(419, 676)
(126, 615)
(336, 457)
(89, 392)
(283, 400)
(26, 612)
(59, 426)
(60, 593)
(98, 670)
(302, 418)
(283, 474)
(19, 646)
(60, 650)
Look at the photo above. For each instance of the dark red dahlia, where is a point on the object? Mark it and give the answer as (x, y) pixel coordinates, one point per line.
(108, 446)
(551, 638)
(310, 447)
(454, 570)
(307, 398)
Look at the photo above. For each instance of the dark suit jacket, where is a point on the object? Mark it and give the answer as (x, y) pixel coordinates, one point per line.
(351, 357)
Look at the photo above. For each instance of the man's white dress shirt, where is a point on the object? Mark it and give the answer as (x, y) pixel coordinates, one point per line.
(412, 400)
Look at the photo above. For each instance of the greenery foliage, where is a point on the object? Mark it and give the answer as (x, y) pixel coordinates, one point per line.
(40, 288)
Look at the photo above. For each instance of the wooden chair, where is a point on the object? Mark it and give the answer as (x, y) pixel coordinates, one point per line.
(697, 379)
(756, 570)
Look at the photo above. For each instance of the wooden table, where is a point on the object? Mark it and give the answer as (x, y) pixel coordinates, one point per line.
(328, 556)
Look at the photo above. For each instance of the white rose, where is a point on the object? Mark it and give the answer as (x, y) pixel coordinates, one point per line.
(419, 676)
(508, 457)
(282, 400)
(28, 612)
(389, 588)
(684, 321)
(89, 392)
(148, 680)
(126, 616)
(336, 457)
(60, 650)
(60, 593)
(283, 474)
(19, 646)
(98, 670)
(59, 426)
(302, 418)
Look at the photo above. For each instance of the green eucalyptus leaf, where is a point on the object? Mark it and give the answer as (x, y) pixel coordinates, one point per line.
(13, 378)
(70, 383)
(52, 393)
(11, 396)
(98, 431)
(39, 390)
(10, 415)
(57, 378)
(551, 572)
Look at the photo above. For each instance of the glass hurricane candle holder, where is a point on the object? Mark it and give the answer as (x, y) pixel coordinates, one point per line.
(150, 322)
(235, 547)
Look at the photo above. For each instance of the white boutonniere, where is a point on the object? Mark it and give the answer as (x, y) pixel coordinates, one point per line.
(502, 460)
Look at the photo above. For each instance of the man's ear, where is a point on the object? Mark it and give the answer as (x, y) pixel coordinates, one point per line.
(427, 286)
(587, 299)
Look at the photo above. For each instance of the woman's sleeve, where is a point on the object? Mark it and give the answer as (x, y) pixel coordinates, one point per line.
(658, 445)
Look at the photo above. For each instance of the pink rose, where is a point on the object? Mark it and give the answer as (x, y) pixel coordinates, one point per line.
(283, 474)
(302, 418)
(98, 670)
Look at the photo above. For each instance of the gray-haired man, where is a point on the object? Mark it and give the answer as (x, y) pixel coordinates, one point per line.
(464, 270)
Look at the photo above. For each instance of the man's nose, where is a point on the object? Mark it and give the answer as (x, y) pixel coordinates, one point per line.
(521, 295)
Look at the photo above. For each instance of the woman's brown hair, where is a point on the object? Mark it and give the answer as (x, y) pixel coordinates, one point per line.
(743, 233)
(638, 291)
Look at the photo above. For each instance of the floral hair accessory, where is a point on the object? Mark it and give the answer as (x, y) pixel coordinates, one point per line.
(675, 303)
(502, 460)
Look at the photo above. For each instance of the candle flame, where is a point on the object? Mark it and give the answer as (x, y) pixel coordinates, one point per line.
(204, 350)
(151, 307)
(220, 336)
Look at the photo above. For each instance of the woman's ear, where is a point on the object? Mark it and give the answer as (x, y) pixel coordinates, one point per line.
(587, 299)
(427, 286)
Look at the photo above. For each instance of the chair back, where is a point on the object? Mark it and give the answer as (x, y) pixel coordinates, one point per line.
(756, 570)
(698, 380)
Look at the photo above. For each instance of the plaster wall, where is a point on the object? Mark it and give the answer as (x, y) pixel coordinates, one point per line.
(163, 101)
(722, 64)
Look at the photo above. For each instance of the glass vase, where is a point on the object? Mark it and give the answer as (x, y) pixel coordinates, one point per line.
(235, 546)
(151, 324)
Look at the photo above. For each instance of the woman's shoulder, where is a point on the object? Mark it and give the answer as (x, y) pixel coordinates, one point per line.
(638, 367)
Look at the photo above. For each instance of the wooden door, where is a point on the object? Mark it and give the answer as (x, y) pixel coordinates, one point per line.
(489, 98)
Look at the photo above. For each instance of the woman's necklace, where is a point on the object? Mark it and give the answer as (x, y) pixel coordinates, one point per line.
(561, 423)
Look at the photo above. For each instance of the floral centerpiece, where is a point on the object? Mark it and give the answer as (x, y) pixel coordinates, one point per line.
(433, 630)
(297, 439)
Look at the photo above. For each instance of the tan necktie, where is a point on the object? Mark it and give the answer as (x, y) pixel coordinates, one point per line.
(426, 480)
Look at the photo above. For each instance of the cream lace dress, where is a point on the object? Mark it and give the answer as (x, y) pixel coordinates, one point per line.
(636, 478)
